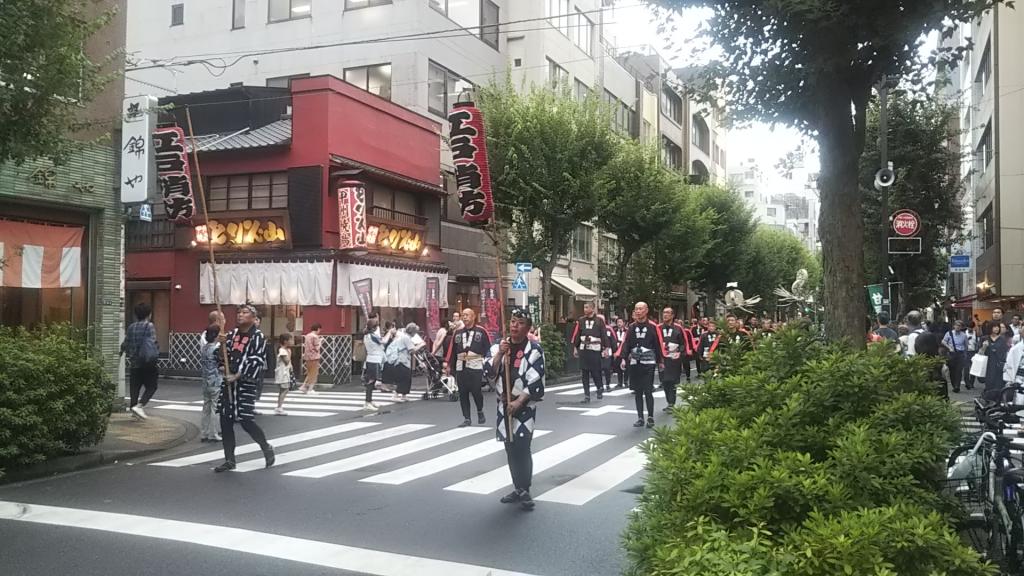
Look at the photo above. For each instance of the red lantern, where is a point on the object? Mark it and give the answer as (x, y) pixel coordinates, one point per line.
(472, 173)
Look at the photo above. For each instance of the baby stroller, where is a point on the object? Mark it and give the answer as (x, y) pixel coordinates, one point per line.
(437, 382)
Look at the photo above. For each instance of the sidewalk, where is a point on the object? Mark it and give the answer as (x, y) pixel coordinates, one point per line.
(126, 438)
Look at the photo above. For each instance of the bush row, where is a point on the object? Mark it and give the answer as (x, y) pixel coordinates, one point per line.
(54, 395)
(802, 459)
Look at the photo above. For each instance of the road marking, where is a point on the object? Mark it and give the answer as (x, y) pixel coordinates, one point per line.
(592, 484)
(181, 408)
(563, 387)
(289, 405)
(385, 454)
(495, 480)
(599, 411)
(318, 401)
(277, 442)
(622, 392)
(336, 446)
(312, 552)
(442, 463)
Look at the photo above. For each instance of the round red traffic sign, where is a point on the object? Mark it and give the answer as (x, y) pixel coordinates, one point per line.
(906, 223)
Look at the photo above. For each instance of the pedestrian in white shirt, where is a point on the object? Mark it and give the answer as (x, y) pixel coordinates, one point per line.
(374, 345)
(283, 374)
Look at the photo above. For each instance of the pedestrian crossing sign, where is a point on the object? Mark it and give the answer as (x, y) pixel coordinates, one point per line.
(519, 284)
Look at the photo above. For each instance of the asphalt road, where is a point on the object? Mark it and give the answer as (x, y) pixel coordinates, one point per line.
(402, 492)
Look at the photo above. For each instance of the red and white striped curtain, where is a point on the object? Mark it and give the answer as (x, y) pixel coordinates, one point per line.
(40, 256)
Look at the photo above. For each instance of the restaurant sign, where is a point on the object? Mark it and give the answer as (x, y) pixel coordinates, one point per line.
(392, 239)
(263, 231)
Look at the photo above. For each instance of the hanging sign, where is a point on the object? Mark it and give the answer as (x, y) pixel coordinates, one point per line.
(472, 172)
(138, 116)
(490, 313)
(393, 239)
(364, 293)
(433, 305)
(906, 223)
(173, 174)
(263, 231)
(875, 298)
(352, 215)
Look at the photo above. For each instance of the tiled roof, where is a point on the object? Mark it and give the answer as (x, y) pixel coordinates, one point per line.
(274, 134)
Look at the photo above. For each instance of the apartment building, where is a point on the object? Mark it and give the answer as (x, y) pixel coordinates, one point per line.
(992, 110)
(790, 204)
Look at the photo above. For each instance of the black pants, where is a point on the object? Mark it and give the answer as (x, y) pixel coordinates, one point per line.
(590, 364)
(607, 379)
(227, 431)
(520, 462)
(670, 392)
(686, 366)
(642, 382)
(144, 376)
(957, 366)
(622, 375)
(470, 382)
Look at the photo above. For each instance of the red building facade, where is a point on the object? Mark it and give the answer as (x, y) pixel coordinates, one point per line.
(271, 162)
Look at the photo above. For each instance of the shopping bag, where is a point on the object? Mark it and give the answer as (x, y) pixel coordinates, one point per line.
(978, 365)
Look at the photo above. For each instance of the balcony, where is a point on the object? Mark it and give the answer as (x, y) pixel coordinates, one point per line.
(381, 215)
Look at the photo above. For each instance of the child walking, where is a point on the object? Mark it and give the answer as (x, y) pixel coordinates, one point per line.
(283, 375)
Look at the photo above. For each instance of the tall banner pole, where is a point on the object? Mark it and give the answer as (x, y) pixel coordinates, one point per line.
(507, 388)
(213, 257)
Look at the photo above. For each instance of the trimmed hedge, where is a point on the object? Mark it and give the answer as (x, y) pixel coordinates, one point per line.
(803, 459)
(553, 342)
(55, 398)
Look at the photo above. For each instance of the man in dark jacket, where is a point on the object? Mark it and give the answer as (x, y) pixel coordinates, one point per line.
(589, 341)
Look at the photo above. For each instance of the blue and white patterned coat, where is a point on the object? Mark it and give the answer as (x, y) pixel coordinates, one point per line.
(527, 379)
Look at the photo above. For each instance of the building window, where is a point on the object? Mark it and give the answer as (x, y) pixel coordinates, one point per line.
(558, 15)
(988, 227)
(672, 105)
(489, 19)
(443, 89)
(177, 14)
(748, 194)
(772, 212)
(701, 134)
(622, 115)
(248, 192)
(142, 236)
(582, 32)
(558, 77)
(357, 4)
(671, 154)
(238, 14)
(984, 152)
(582, 90)
(284, 81)
(581, 243)
(282, 10)
(374, 79)
(984, 70)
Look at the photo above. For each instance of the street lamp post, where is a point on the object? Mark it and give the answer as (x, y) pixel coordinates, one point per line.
(883, 149)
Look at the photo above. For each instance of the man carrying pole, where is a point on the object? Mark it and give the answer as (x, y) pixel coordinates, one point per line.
(518, 365)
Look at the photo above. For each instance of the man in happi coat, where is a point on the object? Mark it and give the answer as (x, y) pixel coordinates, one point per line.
(527, 376)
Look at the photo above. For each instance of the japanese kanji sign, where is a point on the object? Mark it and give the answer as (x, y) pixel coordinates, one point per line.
(138, 116)
(173, 174)
(472, 173)
(351, 214)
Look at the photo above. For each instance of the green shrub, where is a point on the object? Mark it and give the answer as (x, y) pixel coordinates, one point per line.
(54, 398)
(554, 348)
(802, 459)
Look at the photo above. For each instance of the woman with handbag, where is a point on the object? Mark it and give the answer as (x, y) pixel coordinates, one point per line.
(994, 348)
(284, 376)
(141, 349)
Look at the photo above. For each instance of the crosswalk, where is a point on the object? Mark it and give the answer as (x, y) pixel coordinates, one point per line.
(320, 405)
(463, 460)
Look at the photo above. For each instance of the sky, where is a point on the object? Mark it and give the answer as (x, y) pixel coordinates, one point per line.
(631, 25)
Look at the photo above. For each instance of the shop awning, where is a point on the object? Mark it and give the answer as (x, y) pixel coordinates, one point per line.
(573, 287)
(391, 287)
(965, 302)
(303, 283)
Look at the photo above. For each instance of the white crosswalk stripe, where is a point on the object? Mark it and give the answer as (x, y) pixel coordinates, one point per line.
(497, 479)
(405, 454)
(193, 408)
(319, 405)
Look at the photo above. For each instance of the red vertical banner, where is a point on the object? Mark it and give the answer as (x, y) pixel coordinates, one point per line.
(472, 171)
(173, 174)
(351, 215)
(490, 308)
(433, 305)
(364, 293)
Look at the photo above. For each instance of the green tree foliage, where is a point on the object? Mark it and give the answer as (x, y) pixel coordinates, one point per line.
(928, 182)
(773, 258)
(45, 75)
(725, 256)
(813, 64)
(547, 153)
(803, 459)
(55, 398)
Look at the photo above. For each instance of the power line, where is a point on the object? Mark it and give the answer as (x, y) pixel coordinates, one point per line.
(431, 35)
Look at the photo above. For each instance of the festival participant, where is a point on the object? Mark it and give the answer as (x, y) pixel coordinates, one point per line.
(735, 333)
(589, 340)
(708, 344)
(466, 353)
(691, 341)
(642, 351)
(674, 339)
(247, 358)
(606, 355)
(527, 376)
(620, 335)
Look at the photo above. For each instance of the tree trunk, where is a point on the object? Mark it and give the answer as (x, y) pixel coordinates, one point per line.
(841, 226)
(620, 289)
(545, 293)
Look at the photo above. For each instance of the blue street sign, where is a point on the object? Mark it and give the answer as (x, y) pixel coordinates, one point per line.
(145, 213)
(522, 267)
(959, 263)
(519, 285)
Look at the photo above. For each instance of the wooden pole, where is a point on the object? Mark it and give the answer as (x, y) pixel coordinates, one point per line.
(504, 331)
(209, 245)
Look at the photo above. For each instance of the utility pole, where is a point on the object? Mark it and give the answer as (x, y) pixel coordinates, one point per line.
(883, 149)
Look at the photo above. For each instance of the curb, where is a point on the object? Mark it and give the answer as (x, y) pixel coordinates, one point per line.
(96, 458)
